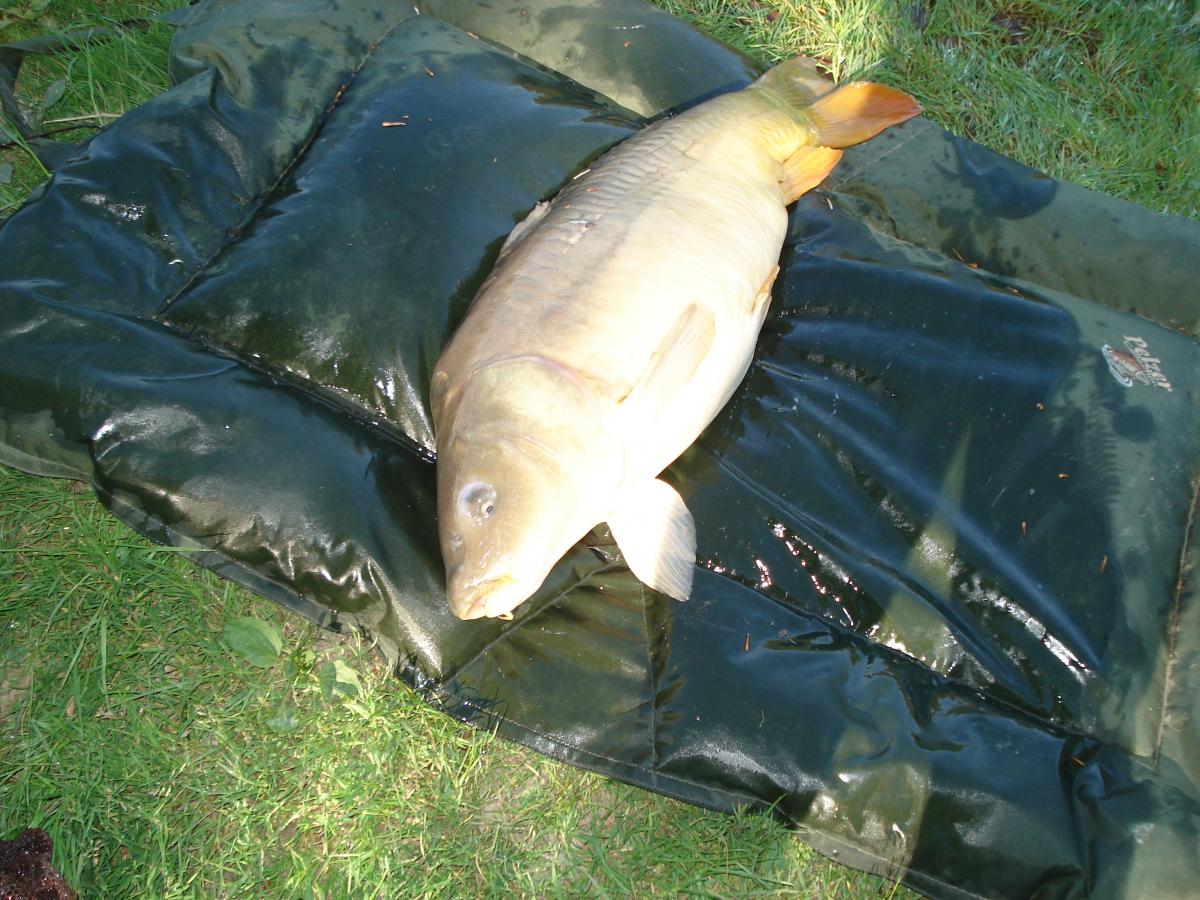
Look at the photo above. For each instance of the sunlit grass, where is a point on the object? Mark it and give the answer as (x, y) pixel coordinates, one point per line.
(162, 764)
(102, 79)
(1103, 93)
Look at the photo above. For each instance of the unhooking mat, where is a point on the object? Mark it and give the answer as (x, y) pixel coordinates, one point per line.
(945, 617)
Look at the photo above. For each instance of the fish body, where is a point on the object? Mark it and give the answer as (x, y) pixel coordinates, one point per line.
(619, 318)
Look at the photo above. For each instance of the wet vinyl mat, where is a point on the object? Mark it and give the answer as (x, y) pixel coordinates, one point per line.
(944, 618)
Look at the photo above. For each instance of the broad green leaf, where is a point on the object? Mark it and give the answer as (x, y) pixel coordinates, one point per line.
(338, 680)
(303, 659)
(53, 94)
(6, 171)
(284, 719)
(356, 708)
(256, 641)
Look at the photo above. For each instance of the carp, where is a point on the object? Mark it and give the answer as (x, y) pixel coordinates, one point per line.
(617, 322)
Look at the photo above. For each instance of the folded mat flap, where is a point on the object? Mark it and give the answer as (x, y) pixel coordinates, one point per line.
(940, 620)
(640, 56)
(970, 204)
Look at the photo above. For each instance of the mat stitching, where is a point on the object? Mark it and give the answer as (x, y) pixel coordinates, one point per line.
(503, 635)
(835, 183)
(1173, 627)
(718, 791)
(233, 235)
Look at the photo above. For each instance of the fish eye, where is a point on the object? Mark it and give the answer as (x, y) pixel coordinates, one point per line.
(477, 500)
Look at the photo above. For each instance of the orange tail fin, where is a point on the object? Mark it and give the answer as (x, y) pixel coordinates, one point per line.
(858, 111)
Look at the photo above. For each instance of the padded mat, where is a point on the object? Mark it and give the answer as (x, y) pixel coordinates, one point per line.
(944, 618)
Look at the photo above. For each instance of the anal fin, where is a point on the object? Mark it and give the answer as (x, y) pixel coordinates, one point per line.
(657, 537)
(805, 169)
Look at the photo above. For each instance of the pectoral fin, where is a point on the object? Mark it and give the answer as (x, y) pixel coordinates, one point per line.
(758, 306)
(657, 536)
(439, 386)
(675, 361)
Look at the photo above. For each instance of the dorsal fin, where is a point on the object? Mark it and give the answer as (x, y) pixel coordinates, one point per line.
(523, 227)
(797, 81)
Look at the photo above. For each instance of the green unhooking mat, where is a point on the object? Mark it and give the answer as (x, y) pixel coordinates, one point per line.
(945, 617)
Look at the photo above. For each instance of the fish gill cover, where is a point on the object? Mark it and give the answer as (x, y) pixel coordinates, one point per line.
(943, 618)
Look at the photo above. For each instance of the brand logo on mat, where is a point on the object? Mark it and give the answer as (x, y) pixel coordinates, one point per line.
(1135, 363)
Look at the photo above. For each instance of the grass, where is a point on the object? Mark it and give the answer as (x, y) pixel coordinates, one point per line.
(1100, 92)
(100, 80)
(163, 764)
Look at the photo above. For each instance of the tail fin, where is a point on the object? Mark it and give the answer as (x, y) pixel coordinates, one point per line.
(843, 116)
(858, 111)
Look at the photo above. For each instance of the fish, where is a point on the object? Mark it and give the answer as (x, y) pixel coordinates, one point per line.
(617, 321)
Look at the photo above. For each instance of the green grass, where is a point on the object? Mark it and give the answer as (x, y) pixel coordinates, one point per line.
(101, 79)
(163, 764)
(1103, 93)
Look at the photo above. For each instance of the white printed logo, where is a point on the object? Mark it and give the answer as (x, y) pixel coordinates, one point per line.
(1135, 363)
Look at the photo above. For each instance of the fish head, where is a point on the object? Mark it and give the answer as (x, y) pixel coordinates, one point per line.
(505, 516)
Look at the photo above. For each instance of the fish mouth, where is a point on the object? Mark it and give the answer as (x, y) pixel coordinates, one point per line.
(477, 599)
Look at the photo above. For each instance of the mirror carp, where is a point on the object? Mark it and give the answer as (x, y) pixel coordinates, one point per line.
(618, 320)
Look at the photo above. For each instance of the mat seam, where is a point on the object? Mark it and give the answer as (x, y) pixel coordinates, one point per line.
(710, 789)
(233, 234)
(1176, 612)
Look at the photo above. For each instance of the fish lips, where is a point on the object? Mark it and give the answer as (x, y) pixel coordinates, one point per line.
(493, 597)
